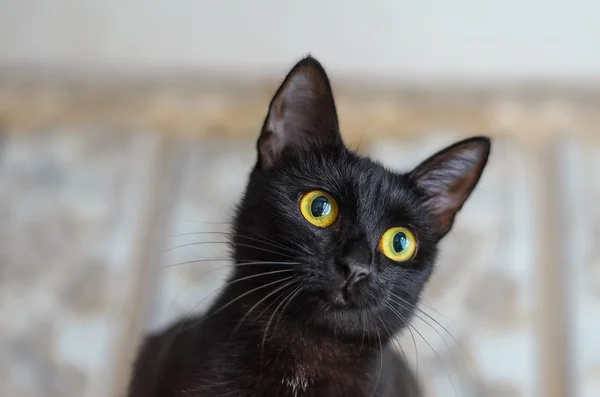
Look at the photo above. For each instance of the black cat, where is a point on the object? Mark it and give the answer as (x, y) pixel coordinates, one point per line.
(331, 252)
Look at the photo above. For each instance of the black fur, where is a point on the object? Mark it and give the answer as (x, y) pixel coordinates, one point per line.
(297, 332)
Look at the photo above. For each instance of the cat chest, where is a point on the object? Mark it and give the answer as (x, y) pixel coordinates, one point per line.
(299, 385)
(296, 385)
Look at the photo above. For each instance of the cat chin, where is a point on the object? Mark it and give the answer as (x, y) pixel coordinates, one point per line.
(373, 322)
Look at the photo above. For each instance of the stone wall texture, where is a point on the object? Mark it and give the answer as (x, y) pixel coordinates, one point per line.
(106, 198)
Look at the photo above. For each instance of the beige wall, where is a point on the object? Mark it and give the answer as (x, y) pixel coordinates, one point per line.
(481, 39)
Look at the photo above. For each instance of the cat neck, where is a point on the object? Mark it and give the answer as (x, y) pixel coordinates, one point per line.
(302, 358)
(297, 351)
(311, 348)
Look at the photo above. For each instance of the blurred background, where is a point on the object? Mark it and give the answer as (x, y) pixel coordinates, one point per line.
(127, 129)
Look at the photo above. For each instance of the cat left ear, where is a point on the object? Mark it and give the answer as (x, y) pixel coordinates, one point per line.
(302, 113)
(448, 177)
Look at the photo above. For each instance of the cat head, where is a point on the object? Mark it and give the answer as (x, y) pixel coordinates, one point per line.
(340, 242)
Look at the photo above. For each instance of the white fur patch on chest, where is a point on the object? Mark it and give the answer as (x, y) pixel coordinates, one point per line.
(298, 384)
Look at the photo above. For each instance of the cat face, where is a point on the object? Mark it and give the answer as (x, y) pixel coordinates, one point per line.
(355, 242)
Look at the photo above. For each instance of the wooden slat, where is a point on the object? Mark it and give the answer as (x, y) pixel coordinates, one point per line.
(552, 317)
(198, 108)
(580, 262)
(588, 322)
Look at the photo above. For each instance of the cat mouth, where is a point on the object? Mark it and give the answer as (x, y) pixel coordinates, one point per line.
(340, 299)
(345, 299)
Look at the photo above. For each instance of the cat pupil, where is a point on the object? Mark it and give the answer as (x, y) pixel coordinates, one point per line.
(320, 206)
(400, 242)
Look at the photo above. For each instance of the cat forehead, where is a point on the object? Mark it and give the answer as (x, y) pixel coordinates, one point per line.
(347, 175)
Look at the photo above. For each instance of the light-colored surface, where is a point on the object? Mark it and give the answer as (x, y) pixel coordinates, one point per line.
(72, 215)
(73, 205)
(196, 261)
(581, 262)
(474, 39)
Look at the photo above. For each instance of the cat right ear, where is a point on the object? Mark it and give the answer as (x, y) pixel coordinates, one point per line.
(448, 177)
(301, 114)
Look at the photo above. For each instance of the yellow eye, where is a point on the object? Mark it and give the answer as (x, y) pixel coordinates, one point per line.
(399, 244)
(319, 208)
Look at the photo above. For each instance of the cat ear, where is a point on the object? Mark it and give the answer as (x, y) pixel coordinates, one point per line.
(448, 177)
(302, 113)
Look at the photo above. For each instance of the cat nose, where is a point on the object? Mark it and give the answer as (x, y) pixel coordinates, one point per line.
(354, 273)
(354, 262)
